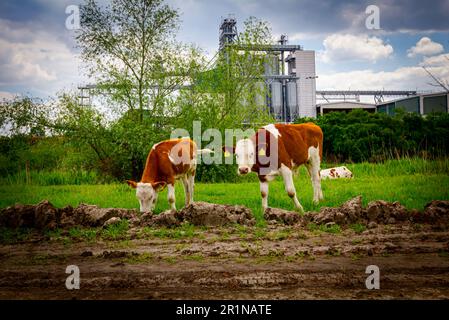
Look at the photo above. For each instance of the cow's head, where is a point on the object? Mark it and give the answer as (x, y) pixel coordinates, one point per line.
(146, 193)
(245, 157)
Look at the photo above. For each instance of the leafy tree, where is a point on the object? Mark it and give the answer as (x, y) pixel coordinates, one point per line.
(132, 53)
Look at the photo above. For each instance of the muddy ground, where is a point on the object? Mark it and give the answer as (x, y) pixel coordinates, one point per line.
(278, 261)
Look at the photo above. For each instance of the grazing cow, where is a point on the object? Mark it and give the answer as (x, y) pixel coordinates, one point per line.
(167, 162)
(278, 150)
(335, 173)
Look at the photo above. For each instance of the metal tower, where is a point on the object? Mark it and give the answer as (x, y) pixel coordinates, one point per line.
(228, 31)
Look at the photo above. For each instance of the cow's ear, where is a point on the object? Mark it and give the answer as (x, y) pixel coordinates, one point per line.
(228, 151)
(158, 186)
(131, 183)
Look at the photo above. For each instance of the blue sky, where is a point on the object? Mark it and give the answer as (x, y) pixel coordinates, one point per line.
(38, 54)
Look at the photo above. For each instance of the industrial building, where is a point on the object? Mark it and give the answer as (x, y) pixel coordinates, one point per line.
(344, 106)
(292, 92)
(422, 104)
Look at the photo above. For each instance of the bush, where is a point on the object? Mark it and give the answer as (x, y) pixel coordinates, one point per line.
(362, 136)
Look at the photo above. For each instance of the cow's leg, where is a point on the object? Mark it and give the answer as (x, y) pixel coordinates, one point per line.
(314, 185)
(264, 194)
(171, 196)
(153, 204)
(187, 194)
(191, 181)
(287, 175)
(313, 166)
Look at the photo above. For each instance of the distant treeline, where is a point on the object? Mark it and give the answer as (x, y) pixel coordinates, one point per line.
(361, 136)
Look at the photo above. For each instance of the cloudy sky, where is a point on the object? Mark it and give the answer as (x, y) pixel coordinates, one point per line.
(38, 54)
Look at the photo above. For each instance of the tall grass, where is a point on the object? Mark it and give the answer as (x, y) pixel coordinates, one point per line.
(53, 177)
(405, 166)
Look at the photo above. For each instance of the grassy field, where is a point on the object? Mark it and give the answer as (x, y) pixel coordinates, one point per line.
(412, 182)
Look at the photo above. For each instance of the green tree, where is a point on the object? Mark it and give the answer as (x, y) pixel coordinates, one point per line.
(132, 54)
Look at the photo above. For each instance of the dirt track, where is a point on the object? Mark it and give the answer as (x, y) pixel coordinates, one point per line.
(286, 263)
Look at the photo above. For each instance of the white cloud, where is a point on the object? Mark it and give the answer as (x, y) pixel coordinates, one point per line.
(426, 47)
(6, 95)
(439, 60)
(35, 59)
(404, 78)
(341, 47)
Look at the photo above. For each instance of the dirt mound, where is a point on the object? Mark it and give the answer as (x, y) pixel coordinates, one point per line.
(209, 214)
(169, 218)
(283, 216)
(376, 212)
(45, 216)
(199, 214)
(348, 213)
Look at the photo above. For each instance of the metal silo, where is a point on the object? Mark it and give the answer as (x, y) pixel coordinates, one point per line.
(291, 100)
(260, 94)
(271, 64)
(276, 99)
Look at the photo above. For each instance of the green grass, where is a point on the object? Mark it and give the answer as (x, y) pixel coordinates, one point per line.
(358, 227)
(116, 231)
(194, 257)
(8, 235)
(140, 258)
(413, 182)
(87, 234)
(54, 177)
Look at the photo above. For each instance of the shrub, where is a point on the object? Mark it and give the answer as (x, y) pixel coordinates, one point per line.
(362, 136)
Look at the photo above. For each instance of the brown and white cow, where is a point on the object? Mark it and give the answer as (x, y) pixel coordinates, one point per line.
(278, 149)
(168, 161)
(336, 173)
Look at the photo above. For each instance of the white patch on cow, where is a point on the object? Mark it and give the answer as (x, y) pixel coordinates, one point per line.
(273, 130)
(155, 146)
(245, 154)
(313, 152)
(171, 159)
(146, 195)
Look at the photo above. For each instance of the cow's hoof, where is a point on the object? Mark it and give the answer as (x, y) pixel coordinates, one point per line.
(299, 209)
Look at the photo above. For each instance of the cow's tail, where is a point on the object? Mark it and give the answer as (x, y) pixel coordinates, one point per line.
(203, 151)
(321, 149)
(320, 143)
